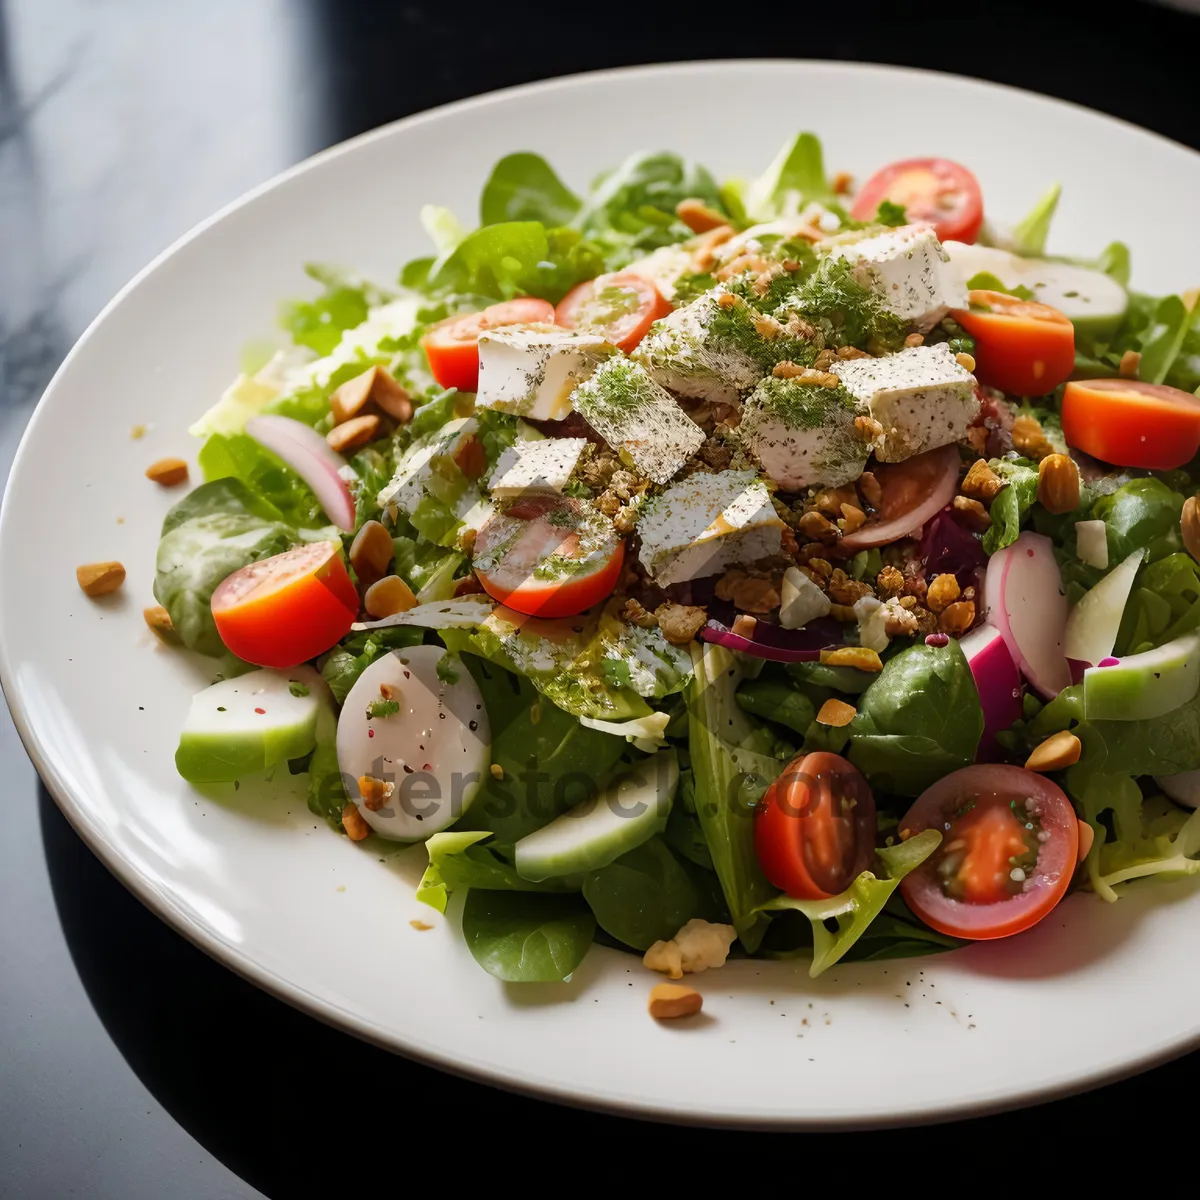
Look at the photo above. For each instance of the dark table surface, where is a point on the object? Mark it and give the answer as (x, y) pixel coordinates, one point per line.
(130, 1064)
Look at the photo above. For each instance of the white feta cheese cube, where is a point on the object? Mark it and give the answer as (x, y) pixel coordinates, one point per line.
(532, 370)
(706, 523)
(921, 397)
(638, 419)
(801, 600)
(539, 466)
(418, 466)
(707, 351)
(804, 434)
(909, 271)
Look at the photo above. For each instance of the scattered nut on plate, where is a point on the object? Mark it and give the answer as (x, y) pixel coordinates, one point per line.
(671, 1000)
(98, 579)
(168, 472)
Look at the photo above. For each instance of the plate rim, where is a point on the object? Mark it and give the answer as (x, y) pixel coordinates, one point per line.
(163, 905)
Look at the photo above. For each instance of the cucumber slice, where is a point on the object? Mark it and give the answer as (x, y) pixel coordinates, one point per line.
(1093, 301)
(256, 721)
(1144, 686)
(1093, 623)
(600, 830)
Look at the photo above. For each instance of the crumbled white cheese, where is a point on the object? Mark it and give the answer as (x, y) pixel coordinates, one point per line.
(1091, 543)
(872, 623)
(532, 370)
(922, 397)
(418, 465)
(909, 271)
(535, 466)
(705, 523)
(801, 600)
(638, 418)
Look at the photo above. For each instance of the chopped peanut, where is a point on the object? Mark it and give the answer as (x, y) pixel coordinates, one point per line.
(168, 472)
(1029, 438)
(844, 590)
(1087, 835)
(957, 618)
(982, 483)
(420, 926)
(1058, 484)
(680, 622)
(836, 713)
(744, 625)
(943, 592)
(158, 619)
(497, 771)
(852, 656)
(371, 553)
(814, 525)
(387, 597)
(914, 339)
(842, 183)
(867, 428)
(974, 513)
(871, 489)
(1059, 750)
(1128, 366)
(766, 326)
(845, 353)
(354, 434)
(727, 300)
(698, 216)
(671, 1000)
(354, 823)
(889, 581)
(830, 500)
(98, 579)
(965, 361)
(375, 388)
(375, 792)
(352, 397)
(853, 518)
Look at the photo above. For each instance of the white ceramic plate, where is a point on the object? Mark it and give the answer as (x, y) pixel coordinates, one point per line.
(1093, 992)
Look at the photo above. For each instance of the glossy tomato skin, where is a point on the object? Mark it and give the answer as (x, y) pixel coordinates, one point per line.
(1021, 347)
(1132, 424)
(814, 832)
(452, 345)
(933, 191)
(988, 807)
(620, 307)
(285, 610)
(514, 550)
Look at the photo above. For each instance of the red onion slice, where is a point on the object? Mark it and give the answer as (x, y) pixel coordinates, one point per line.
(998, 682)
(775, 644)
(913, 491)
(309, 455)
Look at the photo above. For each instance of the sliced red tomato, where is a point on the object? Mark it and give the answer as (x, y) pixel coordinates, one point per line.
(814, 833)
(1132, 424)
(619, 307)
(1021, 347)
(452, 346)
(285, 610)
(548, 556)
(1010, 843)
(912, 492)
(933, 191)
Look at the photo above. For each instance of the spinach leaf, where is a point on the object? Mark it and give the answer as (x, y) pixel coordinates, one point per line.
(1143, 513)
(920, 719)
(1029, 236)
(213, 531)
(239, 456)
(457, 861)
(547, 760)
(731, 770)
(648, 894)
(822, 678)
(777, 702)
(1012, 504)
(855, 908)
(526, 937)
(1163, 341)
(795, 177)
(524, 187)
(350, 658)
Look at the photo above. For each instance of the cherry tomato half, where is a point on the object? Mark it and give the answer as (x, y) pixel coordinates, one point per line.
(1010, 843)
(1021, 347)
(1132, 424)
(619, 307)
(548, 556)
(814, 833)
(285, 610)
(452, 345)
(933, 191)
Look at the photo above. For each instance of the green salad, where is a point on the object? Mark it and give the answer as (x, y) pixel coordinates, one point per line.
(774, 567)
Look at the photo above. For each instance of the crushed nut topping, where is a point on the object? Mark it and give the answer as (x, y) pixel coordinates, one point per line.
(957, 618)
(844, 590)
(982, 483)
(867, 428)
(168, 472)
(354, 823)
(698, 216)
(375, 792)
(1058, 484)
(1029, 438)
(813, 525)
(871, 489)
(680, 622)
(942, 592)
(99, 579)
(836, 713)
(976, 516)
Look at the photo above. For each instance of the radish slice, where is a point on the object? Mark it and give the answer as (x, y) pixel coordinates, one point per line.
(997, 681)
(1024, 597)
(309, 455)
(1092, 626)
(913, 491)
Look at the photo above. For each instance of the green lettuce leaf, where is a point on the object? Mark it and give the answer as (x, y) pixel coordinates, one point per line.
(524, 187)
(213, 531)
(795, 177)
(731, 768)
(855, 908)
(239, 456)
(919, 720)
(1029, 236)
(649, 893)
(527, 937)
(1163, 341)
(343, 304)
(349, 659)
(777, 701)
(1011, 505)
(1142, 514)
